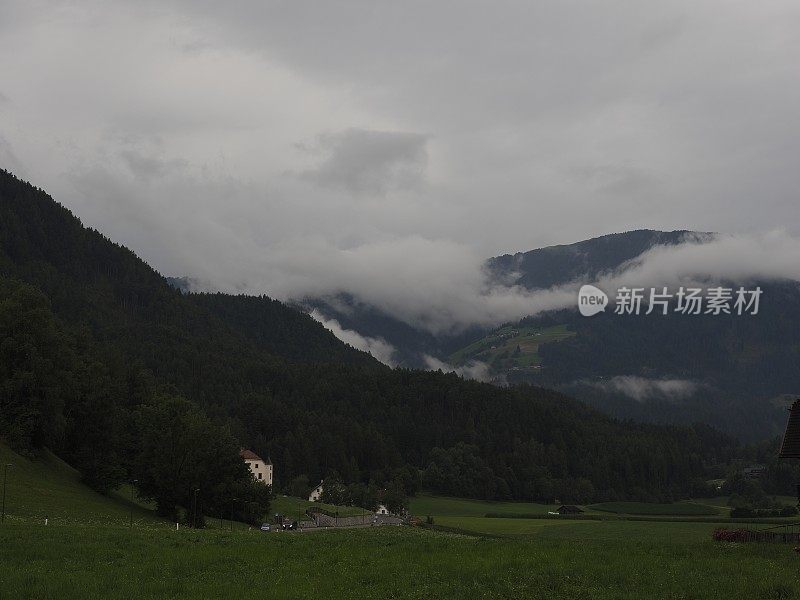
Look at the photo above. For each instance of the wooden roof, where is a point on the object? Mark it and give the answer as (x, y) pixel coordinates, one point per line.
(249, 455)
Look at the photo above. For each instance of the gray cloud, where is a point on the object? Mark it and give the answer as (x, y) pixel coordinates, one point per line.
(179, 129)
(362, 161)
(642, 388)
(149, 167)
(8, 159)
(740, 258)
(474, 369)
(377, 347)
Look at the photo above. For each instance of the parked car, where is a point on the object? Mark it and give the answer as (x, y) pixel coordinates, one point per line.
(265, 527)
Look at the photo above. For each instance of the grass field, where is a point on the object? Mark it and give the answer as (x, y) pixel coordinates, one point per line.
(499, 527)
(682, 509)
(444, 506)
(88, 551)
(585, 560)
(511, 347)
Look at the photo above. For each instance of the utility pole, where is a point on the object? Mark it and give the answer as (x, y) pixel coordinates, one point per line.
(133, 483)
(194, 509)
(5, 477)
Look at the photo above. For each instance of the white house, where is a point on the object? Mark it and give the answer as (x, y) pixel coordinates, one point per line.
(261, 469)
(382, 510)
(316, 493)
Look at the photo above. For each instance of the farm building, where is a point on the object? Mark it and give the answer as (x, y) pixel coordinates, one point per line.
(316, 493)
(568, 509)
(260, 468)
(754, 472)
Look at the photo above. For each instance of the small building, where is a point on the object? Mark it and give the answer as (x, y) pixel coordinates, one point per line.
(754, 472)
(382, 510)
(568, 509)
(316, 493)
(260, 468)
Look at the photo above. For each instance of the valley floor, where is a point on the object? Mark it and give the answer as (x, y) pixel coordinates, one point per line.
(588, 560)
(89, 550)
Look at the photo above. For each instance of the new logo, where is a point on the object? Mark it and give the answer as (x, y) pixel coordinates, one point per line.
(591, 300)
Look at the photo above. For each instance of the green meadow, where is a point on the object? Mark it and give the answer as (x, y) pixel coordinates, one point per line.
(585, 560)
(641, 508)
(511, 346)
(89, 550)
(424, 505)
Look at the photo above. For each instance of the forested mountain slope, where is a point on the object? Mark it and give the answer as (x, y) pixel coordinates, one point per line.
(90, 334)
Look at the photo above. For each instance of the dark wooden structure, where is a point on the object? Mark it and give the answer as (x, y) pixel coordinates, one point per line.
(791, 439)
(789, 533)
(790, 448)
(568, 509)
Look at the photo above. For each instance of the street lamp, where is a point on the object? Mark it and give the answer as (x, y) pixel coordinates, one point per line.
(5, 476)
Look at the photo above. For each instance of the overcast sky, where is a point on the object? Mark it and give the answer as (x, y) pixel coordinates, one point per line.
(299, 147)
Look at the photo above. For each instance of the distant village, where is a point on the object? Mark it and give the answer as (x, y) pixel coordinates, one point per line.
(262, 471)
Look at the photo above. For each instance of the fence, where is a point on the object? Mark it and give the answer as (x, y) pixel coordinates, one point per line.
(789, 533)
(323, 519)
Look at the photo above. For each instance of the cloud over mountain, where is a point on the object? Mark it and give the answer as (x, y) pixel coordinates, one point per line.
(312, 148)
(369, 162)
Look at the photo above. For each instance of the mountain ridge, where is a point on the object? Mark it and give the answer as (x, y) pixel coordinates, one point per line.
(549, 266)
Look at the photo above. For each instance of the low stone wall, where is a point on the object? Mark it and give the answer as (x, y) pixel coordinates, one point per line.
(323, 520)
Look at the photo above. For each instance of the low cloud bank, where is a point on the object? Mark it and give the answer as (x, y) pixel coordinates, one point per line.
(642, 388)
(429, 282)
(739, 258)
(474, 369)
(440, 286)
(379, 348)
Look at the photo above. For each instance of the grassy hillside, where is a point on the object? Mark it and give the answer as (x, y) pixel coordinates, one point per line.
(512, 347)
(48, 487)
